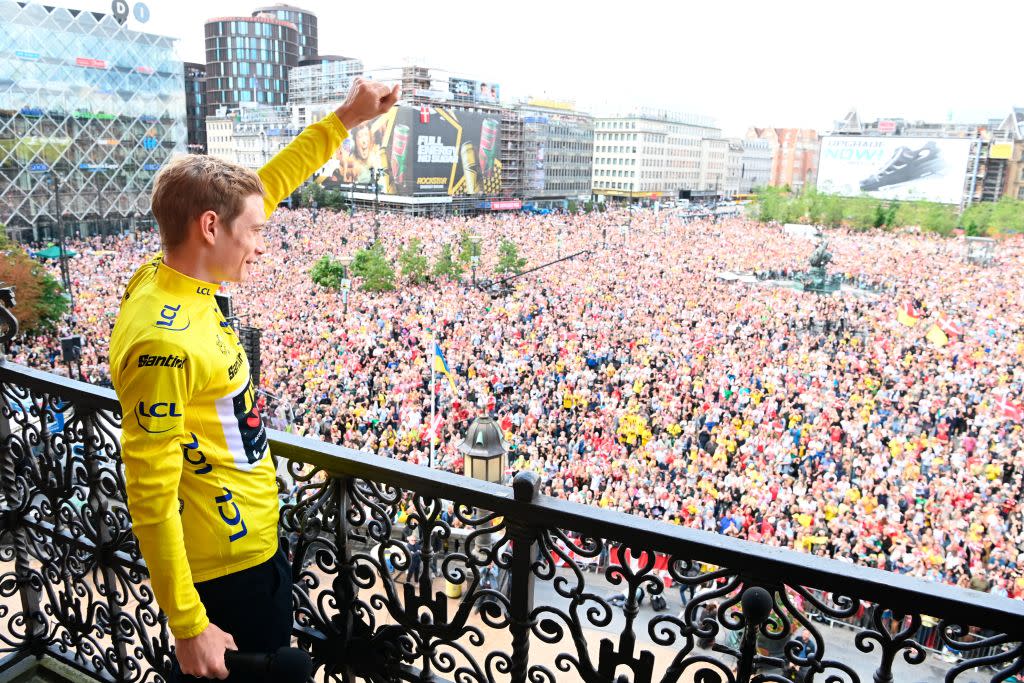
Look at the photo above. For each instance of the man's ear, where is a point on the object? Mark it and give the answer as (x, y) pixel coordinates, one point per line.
(208, 226)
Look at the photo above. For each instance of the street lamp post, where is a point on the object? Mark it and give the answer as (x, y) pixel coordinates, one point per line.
(474, 241)
(630, 207)
(346, 283)
(375, 176)
(352, 199)
(65, 271)
(484, 450)
(484, 457)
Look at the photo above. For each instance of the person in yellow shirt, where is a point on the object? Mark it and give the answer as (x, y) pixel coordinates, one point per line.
(200, 482)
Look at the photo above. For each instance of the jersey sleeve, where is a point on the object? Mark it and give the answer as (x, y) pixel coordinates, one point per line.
(154, 390)
(300, 159)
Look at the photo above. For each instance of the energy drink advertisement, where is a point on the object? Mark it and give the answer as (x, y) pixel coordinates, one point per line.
(425, 151)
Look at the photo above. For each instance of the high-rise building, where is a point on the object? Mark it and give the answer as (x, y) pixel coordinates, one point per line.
(89, 111)
(713, 165)
(324, 79)
(794, 155)
(247, 60)
(755, 165)
(558, 152)
(195, 106)
(733, 167)
(304, 21)
(657, 155)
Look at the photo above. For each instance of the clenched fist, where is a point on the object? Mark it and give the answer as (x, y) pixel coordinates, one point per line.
(366, 100)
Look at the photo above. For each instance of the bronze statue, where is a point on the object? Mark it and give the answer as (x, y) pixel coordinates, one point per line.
(821, 256)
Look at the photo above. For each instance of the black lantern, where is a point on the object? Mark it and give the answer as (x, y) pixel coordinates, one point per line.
(484, 451)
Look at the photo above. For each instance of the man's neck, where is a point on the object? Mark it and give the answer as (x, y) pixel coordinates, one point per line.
(189, 265)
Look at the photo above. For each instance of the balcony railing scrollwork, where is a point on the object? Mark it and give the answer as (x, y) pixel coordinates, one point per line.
(500, 582)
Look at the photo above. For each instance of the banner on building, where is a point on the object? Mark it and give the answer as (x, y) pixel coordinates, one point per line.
(1000, 150)
(931, 169)
(468, 91)
(441, 151)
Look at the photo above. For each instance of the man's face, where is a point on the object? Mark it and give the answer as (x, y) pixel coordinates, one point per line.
(239, 245)
(363, 142)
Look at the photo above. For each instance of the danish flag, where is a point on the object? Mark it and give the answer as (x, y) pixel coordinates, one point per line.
(1008, 409)
(424, 114)
(951, 327)
(434, 432)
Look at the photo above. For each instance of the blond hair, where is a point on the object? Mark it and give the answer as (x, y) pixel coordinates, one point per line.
(191, 184)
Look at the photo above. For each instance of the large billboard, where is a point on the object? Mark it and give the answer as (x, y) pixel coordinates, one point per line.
(425, 151)
(472, 92)
(932, 169)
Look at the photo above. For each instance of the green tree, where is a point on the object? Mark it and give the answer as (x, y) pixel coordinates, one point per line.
(362, 259)
(1007, 216)
(833, 211)
(976, 219)
(509, 260)
(467, 248)
(446, 266)
(378, 275)
(861, 212)
(41, 301)
(939, 218)
(771, 205)
(414, 265)
(880, 214)
(327, 272)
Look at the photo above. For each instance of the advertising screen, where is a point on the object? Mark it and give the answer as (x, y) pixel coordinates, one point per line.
(425, 151)
(468, 91)
(931, 169)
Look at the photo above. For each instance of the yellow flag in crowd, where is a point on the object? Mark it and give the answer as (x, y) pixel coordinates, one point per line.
(937, 336)
(908, 314)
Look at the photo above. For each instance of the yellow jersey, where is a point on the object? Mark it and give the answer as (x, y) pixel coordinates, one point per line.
(199, 477)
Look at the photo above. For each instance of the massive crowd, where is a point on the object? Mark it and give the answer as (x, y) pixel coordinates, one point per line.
(636, 379)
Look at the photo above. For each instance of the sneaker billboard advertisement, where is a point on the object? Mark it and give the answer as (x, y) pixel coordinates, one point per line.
(931, 169)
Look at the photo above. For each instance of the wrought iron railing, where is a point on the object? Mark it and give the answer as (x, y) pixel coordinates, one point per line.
(75, 585)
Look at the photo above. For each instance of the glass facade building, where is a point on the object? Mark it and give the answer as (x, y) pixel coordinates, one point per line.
(86, 106)
(195, 106)
(305, 22)
(247, 60)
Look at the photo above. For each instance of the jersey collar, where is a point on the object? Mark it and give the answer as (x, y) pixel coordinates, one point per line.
(179, 284)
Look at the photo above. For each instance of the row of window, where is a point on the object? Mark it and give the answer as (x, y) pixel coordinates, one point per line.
(251, 28)
(249, 54)
(243, 82)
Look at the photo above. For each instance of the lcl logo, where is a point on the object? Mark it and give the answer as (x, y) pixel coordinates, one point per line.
(168, 319)
(119, 8)
(159, 410)
(148, 416)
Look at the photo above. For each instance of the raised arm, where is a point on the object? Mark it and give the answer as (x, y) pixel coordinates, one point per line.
(317, 144)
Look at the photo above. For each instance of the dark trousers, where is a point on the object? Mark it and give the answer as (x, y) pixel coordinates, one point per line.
(253, 605)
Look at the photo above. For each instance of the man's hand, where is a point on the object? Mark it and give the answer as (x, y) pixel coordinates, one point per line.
(203, 655)
(366, 100)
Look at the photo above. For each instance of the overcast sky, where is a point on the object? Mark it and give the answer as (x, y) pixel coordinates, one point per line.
(788, 63)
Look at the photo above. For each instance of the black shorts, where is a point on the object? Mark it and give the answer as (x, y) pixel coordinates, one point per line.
(253, 605)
